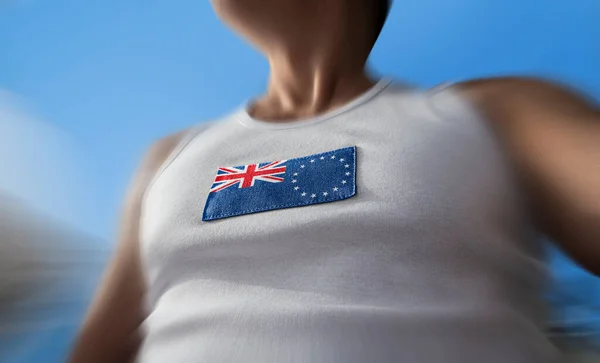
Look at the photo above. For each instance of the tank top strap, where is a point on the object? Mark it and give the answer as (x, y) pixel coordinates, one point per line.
(450, 104)
(187, 137)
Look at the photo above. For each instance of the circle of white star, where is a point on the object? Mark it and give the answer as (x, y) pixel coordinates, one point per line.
(325, 194)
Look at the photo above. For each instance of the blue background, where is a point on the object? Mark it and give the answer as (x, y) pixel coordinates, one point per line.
(117, 75)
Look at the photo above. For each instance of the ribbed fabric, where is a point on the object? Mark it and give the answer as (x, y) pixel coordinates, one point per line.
(432, 260)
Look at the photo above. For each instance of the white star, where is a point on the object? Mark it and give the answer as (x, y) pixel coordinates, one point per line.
(346, 166)
(302, 166)
(342, 160)
(344, 182)
(325, 194)
(322, 158)
(296, 188)
(294, 181)
(312, 161)
(313, 196)
(303, 194)
(295, 174)
(335, 189)
(333, 156)
(348, 173)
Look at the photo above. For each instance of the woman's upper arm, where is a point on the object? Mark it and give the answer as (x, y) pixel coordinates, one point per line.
(110, 329)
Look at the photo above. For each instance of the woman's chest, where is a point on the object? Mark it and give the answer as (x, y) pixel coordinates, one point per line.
(359, 182)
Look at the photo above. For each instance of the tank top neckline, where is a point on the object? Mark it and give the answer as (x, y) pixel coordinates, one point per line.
(245, 119)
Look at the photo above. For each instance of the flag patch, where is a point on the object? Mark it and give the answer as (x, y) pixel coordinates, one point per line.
(252, 188)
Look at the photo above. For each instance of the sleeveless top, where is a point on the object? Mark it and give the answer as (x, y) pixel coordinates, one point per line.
(260, 244)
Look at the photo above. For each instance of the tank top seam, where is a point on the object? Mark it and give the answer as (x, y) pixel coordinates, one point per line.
(187, 139)
(466, 105)
(470, 110)
(244, 120)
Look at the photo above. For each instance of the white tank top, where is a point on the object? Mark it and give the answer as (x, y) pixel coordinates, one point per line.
(389, 230)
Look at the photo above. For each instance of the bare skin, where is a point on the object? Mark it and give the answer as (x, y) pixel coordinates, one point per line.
(553, 137)
(317, 50)
(110, 330)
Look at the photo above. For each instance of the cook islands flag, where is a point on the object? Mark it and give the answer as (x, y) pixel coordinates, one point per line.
(253, 188)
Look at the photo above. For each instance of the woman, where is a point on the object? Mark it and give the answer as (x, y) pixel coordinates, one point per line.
(341, 219)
